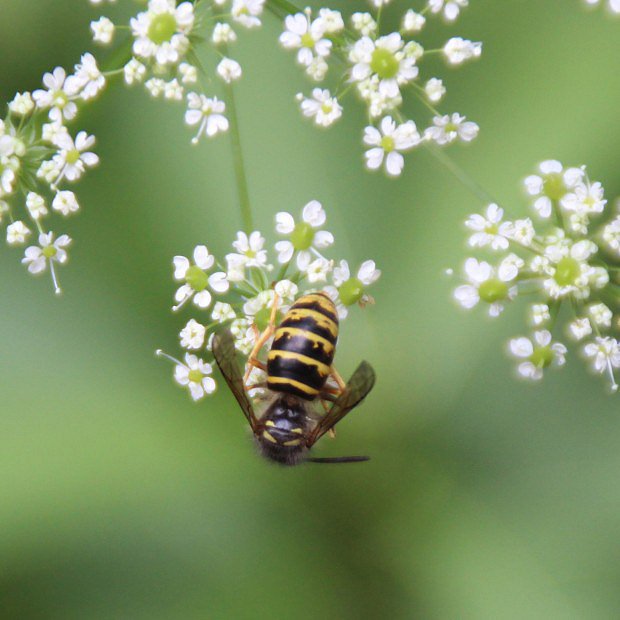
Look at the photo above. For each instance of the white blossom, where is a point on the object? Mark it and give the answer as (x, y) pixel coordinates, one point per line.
(103, 30)
(321, 107)
(17, 233)
(458, 50)
(207, 113)
(388, 143)
(446, 129)
(539, 353)
(195, 375)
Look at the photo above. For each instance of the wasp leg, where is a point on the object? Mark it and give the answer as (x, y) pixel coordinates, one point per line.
(334, 393)
(261, 384)
(329, 395)
(338, 379)
(261, 340)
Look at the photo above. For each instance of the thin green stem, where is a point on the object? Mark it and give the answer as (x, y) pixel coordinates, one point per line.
(239, 165)
(460, 174)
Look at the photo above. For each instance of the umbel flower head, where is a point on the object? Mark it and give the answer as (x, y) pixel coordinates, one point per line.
(169, 40)
(384, 70)
(564, 260)
(40, 156)
(257, 278)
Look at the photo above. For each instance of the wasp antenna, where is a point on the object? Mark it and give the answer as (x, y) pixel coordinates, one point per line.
(339, 459)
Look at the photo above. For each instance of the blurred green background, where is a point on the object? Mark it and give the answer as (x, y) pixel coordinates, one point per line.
(486, 497)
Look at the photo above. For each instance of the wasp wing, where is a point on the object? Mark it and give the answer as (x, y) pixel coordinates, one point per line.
(226, 357)
(353, 394)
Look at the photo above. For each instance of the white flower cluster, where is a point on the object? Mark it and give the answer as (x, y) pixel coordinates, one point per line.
(561, 262)
(383, 69)
(167, 39)
(241, 291)
(612, 5)
(38, 155)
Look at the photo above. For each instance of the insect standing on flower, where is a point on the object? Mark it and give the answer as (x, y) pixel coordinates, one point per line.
(298, 367)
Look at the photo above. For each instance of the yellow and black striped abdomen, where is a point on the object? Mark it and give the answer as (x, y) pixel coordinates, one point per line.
(303, 347)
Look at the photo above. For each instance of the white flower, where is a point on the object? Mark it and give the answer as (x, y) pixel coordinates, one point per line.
(306, 237)
(435, 90)
(539, 354)
(612, 5)
(74, 157)
(161, 32)
(413, 22)
(551, 185)
(37, 257)
(601, 315)
(229, 70)
(247, 12)
(223, 33)
(448, 128)
(65, 202)
(36, 205)
(58, 96)
(195, 375)
(103, 30)
(567, 271)
(188, 73)
(585, 198)
(605, 354)
(318, 269)
(364, 23)
(286, 289)
(611, 235)
(8, 168)
(539, 314)
(155, 86)
(207, 113)
(332, 21)
(458, 50)
(521, 231)
(388, 143)
(317, 69)
(263, 301)
(17, 233)
(222, 312)
(349, 290)
(305, 35)
(173, 91)
(192, 336)
(196, 280)
(47, 171)
(134, 72)
(54, 133)
(87, 80)
(322, 107)
(489, 284)
(580, 328)
(386, 59)
(22, 104)
(451, 8)
(489, 229)
(48, 252)
(250, 252)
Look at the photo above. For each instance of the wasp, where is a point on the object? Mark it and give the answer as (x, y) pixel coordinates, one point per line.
(298, 366)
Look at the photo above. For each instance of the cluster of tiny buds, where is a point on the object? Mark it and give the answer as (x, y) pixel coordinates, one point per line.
(38, 155)
(613, 6)
(166, 40)
(242, 291)
(382, 69)
(567, 267)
